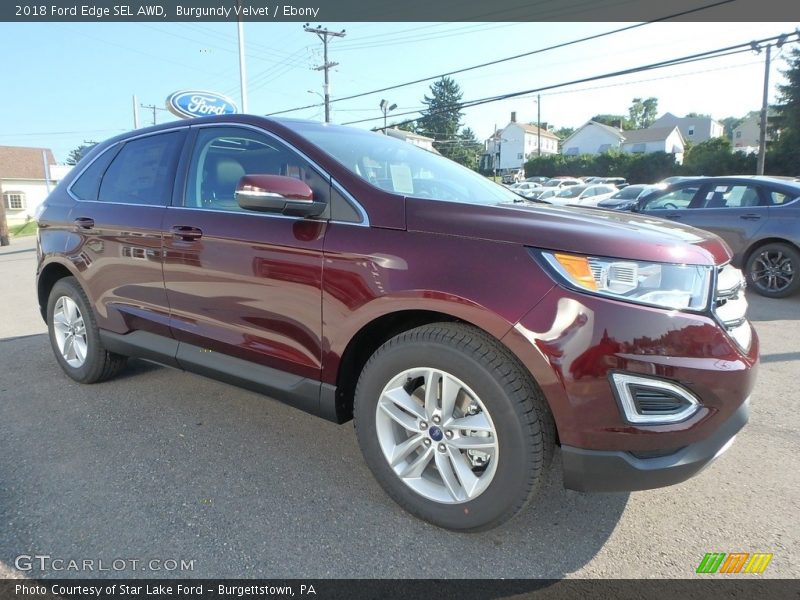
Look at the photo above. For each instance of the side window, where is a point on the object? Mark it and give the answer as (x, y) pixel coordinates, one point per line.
(143, 172)
(778, 198)
(672, 200)
(223, 155)
(87, 186)
(731, 196)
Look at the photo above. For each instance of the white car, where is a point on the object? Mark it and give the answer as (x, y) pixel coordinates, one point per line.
(583, 195)
(526, 188)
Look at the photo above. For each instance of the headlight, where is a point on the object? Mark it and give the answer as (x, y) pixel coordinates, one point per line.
(659, 284)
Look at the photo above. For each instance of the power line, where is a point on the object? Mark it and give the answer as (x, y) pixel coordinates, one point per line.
(718, 53)
(508, 58)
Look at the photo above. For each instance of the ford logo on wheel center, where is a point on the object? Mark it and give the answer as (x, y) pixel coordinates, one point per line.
(195, 103)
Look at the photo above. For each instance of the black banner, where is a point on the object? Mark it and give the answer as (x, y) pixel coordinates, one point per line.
(329, 11)
(385, 589)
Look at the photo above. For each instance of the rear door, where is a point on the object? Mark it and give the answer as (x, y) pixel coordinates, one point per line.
(735, 211)
(116, 236)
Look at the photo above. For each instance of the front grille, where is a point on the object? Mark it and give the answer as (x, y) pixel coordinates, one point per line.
(730, 305)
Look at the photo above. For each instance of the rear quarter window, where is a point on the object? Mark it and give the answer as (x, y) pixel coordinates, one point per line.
(87, 185)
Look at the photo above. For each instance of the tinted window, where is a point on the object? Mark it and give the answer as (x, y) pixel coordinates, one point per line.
(731, 196)
(87, 186)
(671, 200)
(778, 198)
(223, 155)
(144, 171)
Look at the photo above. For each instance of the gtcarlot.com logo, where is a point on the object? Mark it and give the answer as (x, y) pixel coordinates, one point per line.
(46, 562)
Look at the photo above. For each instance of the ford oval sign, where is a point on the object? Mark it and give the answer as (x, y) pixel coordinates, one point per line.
(194, 103)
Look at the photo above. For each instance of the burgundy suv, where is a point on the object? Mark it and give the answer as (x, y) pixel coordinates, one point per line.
(466, 330)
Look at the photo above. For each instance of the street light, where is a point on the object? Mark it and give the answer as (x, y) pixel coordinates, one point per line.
(386, 108)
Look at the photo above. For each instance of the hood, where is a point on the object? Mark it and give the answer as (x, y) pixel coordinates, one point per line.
(570, 229)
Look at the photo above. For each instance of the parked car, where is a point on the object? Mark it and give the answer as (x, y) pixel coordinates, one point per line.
(553, 185)
(626, 198)
(334, 269)
(582, 195)
(526, 189)
(759, 218)
(620, 182)
(513, 176)
(536, 179)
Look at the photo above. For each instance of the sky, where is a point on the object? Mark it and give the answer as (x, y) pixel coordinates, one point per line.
(66, 83)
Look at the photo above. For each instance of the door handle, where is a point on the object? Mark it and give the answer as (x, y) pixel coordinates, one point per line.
(186, 232)
(750, 217)
(84, 222)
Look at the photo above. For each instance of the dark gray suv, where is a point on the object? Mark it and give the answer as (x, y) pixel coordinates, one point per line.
(759, 218)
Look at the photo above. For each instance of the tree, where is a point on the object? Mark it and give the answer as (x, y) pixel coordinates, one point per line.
(467, 149)
(620, 121)
(76, 154)
(441, 119)
(783, 153)
(564, 132)
(715, 157)
(642, 113)
(729, 124)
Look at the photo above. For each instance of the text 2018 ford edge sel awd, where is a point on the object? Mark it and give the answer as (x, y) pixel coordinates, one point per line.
(352, 275)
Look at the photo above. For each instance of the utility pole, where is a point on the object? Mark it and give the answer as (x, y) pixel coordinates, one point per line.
(5, 237)
(762, 136)
(323, 35)
(154, 109)
(135, 112)
(242, 71)
(538, 125)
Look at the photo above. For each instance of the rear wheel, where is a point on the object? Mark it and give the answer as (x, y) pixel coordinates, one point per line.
(75, 337)
(452, 426)
(773, 270)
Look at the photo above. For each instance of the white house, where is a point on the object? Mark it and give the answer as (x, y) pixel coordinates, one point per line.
(27, 175)
(746, 137)
(412, 138)
(655, 139)
(592, 138)
(693, 129)
(511, 146)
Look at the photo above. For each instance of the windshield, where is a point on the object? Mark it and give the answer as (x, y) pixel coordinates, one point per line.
(402, 168)
(629, 193)
(553, 182)
(571, 192)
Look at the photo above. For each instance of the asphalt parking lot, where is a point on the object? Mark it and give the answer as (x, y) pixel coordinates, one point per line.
(160, 464)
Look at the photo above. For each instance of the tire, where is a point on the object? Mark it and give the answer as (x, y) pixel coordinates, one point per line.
(773, 270)
(508, 454)
(84, 359)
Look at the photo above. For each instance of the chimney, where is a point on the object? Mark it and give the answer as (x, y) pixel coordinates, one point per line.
(543, 126)
(513, 116)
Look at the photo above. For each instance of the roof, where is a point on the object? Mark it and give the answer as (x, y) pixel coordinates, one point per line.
(651, 134)
(404, 135)
(534, 130)
(670, 119)
(19, 162)
(612, 130)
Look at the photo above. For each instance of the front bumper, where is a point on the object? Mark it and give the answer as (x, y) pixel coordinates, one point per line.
(618, 471)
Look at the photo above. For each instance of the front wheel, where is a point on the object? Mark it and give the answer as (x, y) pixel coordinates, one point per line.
(773, 270)
(452, 426)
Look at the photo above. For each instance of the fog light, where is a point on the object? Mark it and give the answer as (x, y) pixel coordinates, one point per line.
(646, 400)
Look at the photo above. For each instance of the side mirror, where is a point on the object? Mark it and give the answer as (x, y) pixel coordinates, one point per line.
(277, 194)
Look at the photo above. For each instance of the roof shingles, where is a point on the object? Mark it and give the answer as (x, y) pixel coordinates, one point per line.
(18, 162)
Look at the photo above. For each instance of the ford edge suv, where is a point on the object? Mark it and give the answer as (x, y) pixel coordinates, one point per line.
(467, 331)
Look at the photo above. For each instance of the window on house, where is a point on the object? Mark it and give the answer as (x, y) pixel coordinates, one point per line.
(14, 200)
(691, 130)
(639, 148)
(519, 155)
(604, 148)
(738, 134)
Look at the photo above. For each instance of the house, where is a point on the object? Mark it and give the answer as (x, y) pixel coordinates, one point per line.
(592, 138)
(511, 146)
(595, 138)
(26, 177)
(746, 137)
(412, 138)
(655, 139)
(693, 129)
